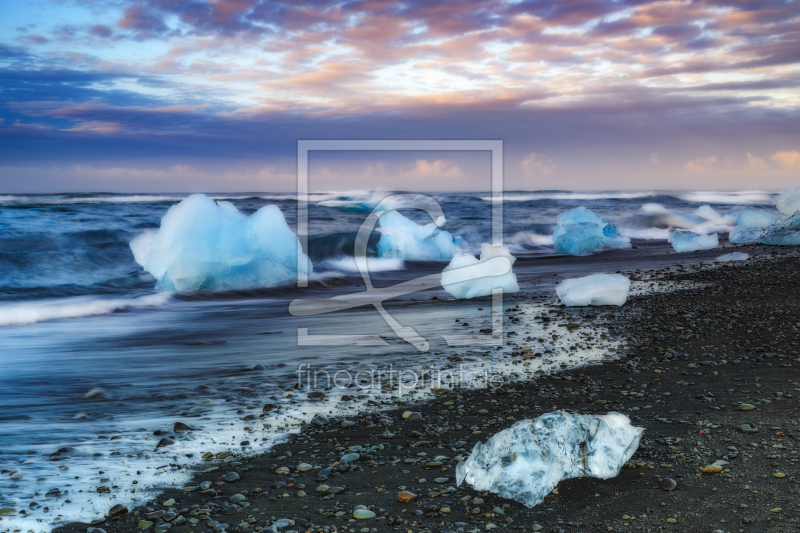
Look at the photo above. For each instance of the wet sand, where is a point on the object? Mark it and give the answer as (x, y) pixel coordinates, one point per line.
(699, 365)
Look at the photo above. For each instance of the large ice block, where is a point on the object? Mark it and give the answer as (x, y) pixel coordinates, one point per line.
(752, 218)
(743, 235)
(202, 245)
(579, 231)
(484, 275)
(595, 289)
(526, 461)
(688, 241)
(788, 202)
(786, 230)
(402, 238)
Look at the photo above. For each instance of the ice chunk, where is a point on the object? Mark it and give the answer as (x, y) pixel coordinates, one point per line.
(526, 461)
(788, 202)
(405, 239)
(742, 235)
(735, 256)
(688, 241)
(786, 230)
(484, 276)
(579, 231)
(751, 218)
(202, 245)
(595, 289)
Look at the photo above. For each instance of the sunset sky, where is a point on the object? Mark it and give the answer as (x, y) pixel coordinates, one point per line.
(212, 95)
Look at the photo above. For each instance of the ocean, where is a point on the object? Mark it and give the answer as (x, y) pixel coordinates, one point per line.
(98, 364)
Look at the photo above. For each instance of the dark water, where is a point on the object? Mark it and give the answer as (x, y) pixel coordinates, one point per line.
(77, 314)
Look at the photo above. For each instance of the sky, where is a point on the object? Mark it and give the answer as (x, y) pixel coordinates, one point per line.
(212, 95)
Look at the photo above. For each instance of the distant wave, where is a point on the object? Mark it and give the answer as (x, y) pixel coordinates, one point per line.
(526, 238)
(525, 197)
(38, 311)
(743, 197)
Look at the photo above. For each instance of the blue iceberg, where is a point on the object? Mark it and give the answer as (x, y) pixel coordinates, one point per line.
(483, 275)
(688, 241)
(402, 238)
(750, 224)
(580, 231)
(751, 218)
(786, 230)
(202, 245)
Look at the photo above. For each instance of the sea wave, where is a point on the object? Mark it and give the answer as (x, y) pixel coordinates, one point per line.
(739, 197)
(525, 197)
(31, 312)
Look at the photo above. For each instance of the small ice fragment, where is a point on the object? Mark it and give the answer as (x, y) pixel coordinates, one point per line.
(202, 245)
(735, 256)
(579, 231)
(484, 275)
(595, 289)
(688, 241)
(526, 461)
(402, 238)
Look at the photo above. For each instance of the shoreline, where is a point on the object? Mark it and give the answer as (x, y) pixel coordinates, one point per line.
(438, 433)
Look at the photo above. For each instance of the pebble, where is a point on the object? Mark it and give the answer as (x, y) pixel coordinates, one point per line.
(316, 395)
(7, 511)
(165, 442)
(667, 484)
(180, 427)
(230, 477)
(363, 514)
(145, 524)
(169, 503)
(350, 457)
(236, 498)
(746, 407)
(319, 420)
(304, 467)
(118, 509)
(746, 428)
(711, 469)
(282, 470)
(536, 527)
(406, 497)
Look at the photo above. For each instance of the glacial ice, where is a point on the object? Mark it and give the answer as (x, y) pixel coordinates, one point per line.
(786, 230)
(202, 245)
(688, 241)
(579, 231)
(484, 276)
(735, 256)
(750, 224)
(743, 235)
(751, 218)
(788, 202)
(595, 289)
(405, 239)
(526, 461)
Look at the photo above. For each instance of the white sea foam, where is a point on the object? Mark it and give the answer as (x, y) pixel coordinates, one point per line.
(31, 312)
(374, 264)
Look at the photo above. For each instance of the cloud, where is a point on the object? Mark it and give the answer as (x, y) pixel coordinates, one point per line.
(787, 159)
(537, 164)
(702, 164)
(438, 169)
(755, 162)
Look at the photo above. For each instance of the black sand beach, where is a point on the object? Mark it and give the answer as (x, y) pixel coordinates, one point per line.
(711, 373)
